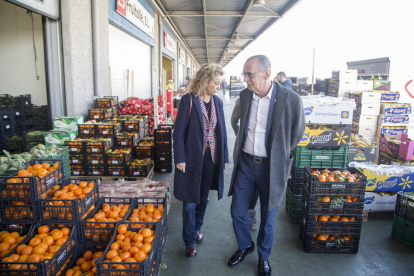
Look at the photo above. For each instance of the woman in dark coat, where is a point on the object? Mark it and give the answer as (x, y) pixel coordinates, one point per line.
(200, 151)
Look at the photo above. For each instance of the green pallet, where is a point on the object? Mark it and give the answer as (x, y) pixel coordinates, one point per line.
(293, 207)
(403, 231)
(320, 158)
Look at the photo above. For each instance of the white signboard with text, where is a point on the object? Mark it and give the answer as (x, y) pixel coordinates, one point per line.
(181, 54)
(188, 62)
(135, 13)
(169, 43)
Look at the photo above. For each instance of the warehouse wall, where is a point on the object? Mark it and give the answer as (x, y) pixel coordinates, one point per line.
(17, 62)
(77, 54)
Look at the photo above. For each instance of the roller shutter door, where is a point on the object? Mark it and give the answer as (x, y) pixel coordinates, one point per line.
(127, 52)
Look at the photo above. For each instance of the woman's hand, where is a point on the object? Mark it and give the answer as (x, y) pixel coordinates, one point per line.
(181, 167)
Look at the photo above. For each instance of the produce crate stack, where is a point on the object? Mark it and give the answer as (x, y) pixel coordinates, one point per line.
(403, 224)
(332, 210)
(342, 82)
(19, 122)
(22, 100)
(169, 103)
(33, 138)
(161, 112)
(163, 153)
(37, 118)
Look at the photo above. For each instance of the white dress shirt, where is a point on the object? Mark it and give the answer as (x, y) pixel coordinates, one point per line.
(256, 135)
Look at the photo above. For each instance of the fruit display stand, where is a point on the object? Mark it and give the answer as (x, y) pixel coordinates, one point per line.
(332, 210)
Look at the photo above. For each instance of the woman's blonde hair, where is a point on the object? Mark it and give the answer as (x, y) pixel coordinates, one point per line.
(203, 76)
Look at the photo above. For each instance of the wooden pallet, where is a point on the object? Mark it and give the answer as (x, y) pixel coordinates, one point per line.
(117, 178)
(365, 214)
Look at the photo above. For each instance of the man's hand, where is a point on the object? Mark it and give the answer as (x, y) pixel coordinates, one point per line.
(225, 165)
(181, 167)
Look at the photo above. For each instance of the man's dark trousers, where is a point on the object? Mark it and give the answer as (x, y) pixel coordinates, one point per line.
(249, 177)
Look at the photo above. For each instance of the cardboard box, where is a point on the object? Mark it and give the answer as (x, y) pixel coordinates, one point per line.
(364, 120)
(392, 131)
(364, 85)
(326, 138)
(389, 96)
(67, 123)
(376, 202)
(398, 146)
(368, 109)
(386, 159)
(335, 75)
(319, 110)
(389, 109)
(58, 137)
(368, 97)
(382, 85)
(362, 154)
(345, 75)
(379, 183)
(342, 85)
(393, 120)
(365, 131)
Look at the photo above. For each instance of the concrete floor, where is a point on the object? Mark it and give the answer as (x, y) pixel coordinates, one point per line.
(379, 254)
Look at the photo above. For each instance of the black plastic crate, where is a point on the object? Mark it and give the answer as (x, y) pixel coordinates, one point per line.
(144, 268)
(312, 245)
(6, 112)
(14, 143)
(313, 224)
(160, 251)
(293, 206)
(24, 212)
(69, 210)
(100, 114)
(143, 152)
(405, 206)
(98, 233)
(163, 167)
(126, 140)
(95, 170)
(295, 187)
(36, 111)
(313, 204)
(316, 187)
(46, 266)
(163, 157)
(6, 126)
(21, 228)
(77, 159)
(138, 170)
(116, 170)
(156, 201)
(108, 129)
(87, 129)
(132, 125)
(22, 100)
(78, 170)
(98, 146)
(30, 187)
(95, 159)
(163, 146)
(107, 102)
(297, 174)
(76, 147)
(80, 251)
(163, 134)
(118, 158)
(403, 231)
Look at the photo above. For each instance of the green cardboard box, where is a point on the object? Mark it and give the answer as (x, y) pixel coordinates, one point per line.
(67, 123)
(58, 136)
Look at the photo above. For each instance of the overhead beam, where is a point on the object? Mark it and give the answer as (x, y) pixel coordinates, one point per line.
(205, 27)
(217, 38)
(217, 49)
(239, 22)
(222, 13)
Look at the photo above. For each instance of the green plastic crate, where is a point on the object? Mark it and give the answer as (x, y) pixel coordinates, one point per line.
(403, 231)
(320, 158)
(293, 206)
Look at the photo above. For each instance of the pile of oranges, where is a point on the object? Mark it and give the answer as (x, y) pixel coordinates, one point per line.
(8, 241)
(129, 247)
(68, 192)
(346, 198)
(86, 265)
(23, 191)
(147, 213)
(19, 210)
(334, 218)
(327, 237)
(43, 245)
(336, 176)
(108, 216)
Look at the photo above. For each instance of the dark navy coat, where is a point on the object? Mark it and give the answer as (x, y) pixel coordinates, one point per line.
(190, 150)
(287, 83)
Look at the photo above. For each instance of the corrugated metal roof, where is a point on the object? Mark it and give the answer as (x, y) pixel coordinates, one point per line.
(209, 27)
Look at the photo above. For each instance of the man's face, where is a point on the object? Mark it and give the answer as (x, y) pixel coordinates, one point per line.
(278, 78)
(258, 81)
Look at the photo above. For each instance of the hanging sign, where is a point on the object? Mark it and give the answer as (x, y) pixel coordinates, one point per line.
(181, 54)
(169, 43)
(135, 13)
(188, 62)
(194, 66)
(48, 8)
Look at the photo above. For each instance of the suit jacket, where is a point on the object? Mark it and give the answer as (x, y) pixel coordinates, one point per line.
(235, 117)
(285, 128)
(189, 150)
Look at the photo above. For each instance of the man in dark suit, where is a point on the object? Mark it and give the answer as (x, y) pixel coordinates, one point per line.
(272, 123)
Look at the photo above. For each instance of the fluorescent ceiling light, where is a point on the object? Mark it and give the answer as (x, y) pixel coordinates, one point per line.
(259, 3)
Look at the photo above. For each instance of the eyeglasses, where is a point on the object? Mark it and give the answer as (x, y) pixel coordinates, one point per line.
(251, 75)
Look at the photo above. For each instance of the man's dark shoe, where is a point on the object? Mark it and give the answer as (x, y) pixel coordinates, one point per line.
(190, 251)
(199, 237)
(239, 255)
(264, 268)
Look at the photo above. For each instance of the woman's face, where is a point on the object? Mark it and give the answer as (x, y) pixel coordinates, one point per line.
(213, 86)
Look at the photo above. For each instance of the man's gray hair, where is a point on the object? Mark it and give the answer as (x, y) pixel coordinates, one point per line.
(263, 60)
